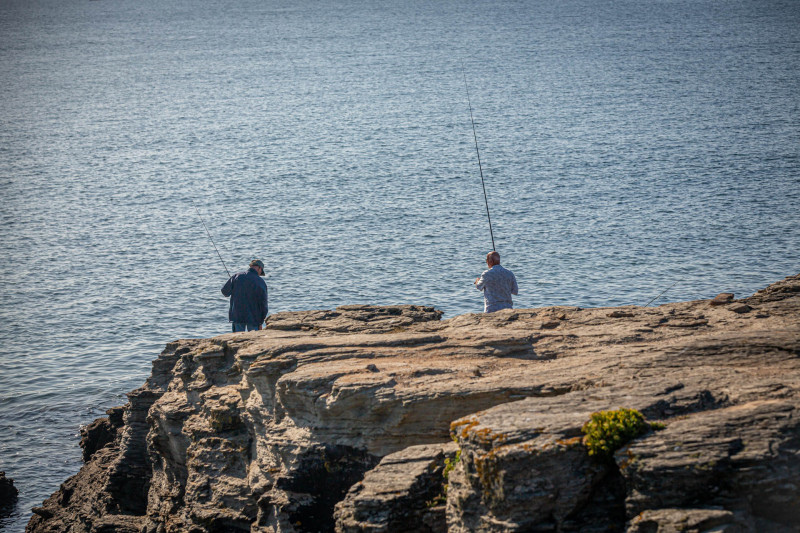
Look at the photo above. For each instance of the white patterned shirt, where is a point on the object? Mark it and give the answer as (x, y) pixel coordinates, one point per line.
(497, 284)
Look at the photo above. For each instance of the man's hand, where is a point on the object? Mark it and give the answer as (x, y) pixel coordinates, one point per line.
(476, 281)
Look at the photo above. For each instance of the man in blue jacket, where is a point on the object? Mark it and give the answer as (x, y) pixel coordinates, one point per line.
(248, 294)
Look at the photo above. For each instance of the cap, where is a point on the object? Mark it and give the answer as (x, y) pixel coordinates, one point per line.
(257, 263)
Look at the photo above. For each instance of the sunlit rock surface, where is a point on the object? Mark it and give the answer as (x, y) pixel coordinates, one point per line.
(308, 425)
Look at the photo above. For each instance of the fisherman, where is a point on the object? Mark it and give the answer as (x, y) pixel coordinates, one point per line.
(497, 284)
(248, 294)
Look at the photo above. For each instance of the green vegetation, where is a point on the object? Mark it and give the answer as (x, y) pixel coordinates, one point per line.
(608, 431)
(449, 465)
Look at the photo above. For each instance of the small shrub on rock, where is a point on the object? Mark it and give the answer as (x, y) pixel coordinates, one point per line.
(608, 431)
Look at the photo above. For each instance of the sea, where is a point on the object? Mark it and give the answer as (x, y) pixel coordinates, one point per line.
(632, 151)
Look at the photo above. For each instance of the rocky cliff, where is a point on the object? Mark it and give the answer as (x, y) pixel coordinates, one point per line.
(8, 494)
(390, 419)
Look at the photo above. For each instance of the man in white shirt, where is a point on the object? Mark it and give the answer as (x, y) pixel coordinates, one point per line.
(497, 284)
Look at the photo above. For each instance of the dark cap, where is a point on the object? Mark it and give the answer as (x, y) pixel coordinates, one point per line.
(257, 263)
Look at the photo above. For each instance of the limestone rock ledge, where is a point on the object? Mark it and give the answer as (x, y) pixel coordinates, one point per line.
(342, 420)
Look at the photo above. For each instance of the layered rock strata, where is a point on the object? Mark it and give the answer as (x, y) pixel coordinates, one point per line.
(340, 420)
(405, 493)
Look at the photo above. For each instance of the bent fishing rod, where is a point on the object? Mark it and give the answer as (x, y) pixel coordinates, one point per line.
(209, 237)
(475, 135)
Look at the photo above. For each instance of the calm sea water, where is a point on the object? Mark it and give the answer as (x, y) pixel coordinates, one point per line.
(626, 145)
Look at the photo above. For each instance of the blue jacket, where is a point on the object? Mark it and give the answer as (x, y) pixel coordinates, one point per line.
(248, 294)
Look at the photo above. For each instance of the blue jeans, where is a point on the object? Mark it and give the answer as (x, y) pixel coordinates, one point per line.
(241, 326)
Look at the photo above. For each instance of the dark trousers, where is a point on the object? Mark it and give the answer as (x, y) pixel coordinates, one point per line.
(241, 326)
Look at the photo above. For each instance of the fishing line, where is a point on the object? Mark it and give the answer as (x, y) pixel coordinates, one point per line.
(662, 292)
(209, 237)
(475, 135)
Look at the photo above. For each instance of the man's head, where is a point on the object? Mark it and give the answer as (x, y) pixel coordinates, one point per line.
(258, 266)
(492, 259)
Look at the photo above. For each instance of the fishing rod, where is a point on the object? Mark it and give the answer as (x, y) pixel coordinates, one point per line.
(475, 135)
(209, 236)
(662, 292)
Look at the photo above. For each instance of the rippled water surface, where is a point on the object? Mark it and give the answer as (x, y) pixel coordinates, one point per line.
(627, 146)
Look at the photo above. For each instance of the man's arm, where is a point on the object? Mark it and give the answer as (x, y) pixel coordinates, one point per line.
(481, 281)
(227, 289)
(265, 303)
(514, 288)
